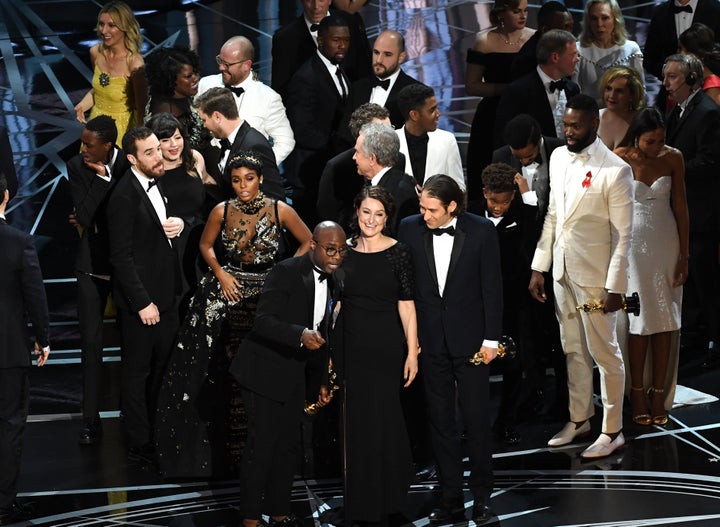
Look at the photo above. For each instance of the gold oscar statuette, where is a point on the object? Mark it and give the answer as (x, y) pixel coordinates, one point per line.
(631, 304)
(506, 349)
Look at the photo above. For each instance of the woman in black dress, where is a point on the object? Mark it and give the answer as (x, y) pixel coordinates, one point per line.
(379, 355)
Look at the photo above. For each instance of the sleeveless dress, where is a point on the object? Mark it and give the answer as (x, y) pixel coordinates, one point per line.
(197, 433)
(379, 457)
(652, 260)
(114, 96)
(482, 133)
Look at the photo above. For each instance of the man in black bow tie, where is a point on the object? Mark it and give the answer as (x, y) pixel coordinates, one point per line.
(458, 294)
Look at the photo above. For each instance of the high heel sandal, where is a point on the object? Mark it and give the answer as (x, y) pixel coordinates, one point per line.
(640, 419)
(659, 419)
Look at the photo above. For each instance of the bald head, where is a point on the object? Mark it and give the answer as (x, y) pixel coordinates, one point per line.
(388, 53)
(236, 57)
(328, 237)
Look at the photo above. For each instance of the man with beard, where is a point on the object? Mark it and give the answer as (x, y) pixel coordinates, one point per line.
(257, 103)
(586, 237)
(146, 285)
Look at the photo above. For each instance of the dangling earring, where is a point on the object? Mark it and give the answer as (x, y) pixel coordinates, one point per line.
(502, 23)
(636, 142)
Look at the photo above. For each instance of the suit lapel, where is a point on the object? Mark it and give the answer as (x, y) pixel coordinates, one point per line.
(145, 200)
(574, 197)
(457, 248)
(309, 282)
(430, 255)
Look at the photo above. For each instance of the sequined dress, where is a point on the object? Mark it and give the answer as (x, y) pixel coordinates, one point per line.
(114, 96)
(199, 428)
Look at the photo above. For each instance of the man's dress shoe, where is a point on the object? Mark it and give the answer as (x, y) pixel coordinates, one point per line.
(481, 513)
(426, 472)
(603, 446)
(16, 512)
(447, 513)
(507, 434)
(569, 433)
(90, 433)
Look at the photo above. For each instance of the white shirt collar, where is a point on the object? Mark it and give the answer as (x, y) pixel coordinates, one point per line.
(377, 177)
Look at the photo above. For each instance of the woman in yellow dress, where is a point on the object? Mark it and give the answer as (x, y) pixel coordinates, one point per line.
(118, 85)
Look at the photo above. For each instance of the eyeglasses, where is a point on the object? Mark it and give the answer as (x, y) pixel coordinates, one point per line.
(332, 251)
(221, 62)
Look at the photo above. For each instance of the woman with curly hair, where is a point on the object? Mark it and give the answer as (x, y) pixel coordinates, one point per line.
(118, 85)
(699, 40)
(172, 76)
(623, 95)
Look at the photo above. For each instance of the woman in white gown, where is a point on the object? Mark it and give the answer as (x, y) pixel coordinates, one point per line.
(658, 264)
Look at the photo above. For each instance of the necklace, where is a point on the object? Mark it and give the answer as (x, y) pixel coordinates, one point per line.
(251, 207)
(509, 42)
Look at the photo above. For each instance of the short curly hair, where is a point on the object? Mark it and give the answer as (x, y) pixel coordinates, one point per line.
(364, 114)
(499, 177)
(162, 68)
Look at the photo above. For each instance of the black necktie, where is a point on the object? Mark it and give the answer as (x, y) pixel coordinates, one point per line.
(224, 146)
(339, 74)
(237, 91)
(557, 85)
(680, 8)
(447, 230)
(151, 184)
(314, 27)
(385, 85)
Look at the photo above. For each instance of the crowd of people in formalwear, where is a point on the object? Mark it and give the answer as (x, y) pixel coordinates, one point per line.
(263, 245)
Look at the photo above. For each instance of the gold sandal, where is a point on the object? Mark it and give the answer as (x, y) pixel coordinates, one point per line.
(660, 419)
(640, 419)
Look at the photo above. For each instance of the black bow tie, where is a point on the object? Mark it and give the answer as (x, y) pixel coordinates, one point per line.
(680, 8)
(224, 145)
(314, 27)
(557, 85)
(151, 184)
(237, 91)
(447, 230)
(322, 275)
(385, 84)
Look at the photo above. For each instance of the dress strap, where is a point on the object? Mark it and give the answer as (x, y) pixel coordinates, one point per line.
(222, 227)
(277, 216)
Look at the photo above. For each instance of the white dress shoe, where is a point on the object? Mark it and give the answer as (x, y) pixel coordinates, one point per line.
(569, 433)
(603, 446)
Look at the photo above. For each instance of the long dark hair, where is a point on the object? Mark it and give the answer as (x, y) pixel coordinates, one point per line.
(646, 120)
(699, 40)
(163, 126)
(388, 203)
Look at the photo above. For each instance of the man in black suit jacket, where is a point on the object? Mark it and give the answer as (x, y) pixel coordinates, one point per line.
(458, 295)
(146, 284)
(544, 92)
(93, 173)
(662, 34)
(693, 127)
(7, 166)
(294, 43)
(219, 113)
(270, 366)
(22, 294)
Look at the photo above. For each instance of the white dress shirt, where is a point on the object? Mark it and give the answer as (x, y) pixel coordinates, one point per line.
(380, 96)
(683, 20)
(332, 69)
(157, 200)
(321, 296)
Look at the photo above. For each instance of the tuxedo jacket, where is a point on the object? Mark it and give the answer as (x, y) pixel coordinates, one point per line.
(697, 135)
(541, 180)
(23, 297)
(588, 229)
(293, 45)
(526, 60)
(90, 195)
(7, 165)
(401, 187)
(263, 109)
(443, 156)
(144, 263)
(470, 309)
(662, 37)
(339, 184)
(271, 360)
(528, 95)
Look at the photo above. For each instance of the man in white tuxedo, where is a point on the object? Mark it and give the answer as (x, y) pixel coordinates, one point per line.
(428, 150)
(586, 236)
(257, 103)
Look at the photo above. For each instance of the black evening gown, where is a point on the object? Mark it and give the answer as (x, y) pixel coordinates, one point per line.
(197, 430)
(482, 140)
(379, 457)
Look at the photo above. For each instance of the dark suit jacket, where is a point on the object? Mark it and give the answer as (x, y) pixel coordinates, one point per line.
(23, 295)
(528, 95)
(339, 184)
(470, 309)
(270, 360)
(662, 37)
(144, 263)
(90, 195)
(526, 60)
(401, 187)
(697, 136)
(7, 165)
(360, 94)
(292, 45)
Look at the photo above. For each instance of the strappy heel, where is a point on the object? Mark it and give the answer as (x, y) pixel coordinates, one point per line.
(643, 419)
(658, 419)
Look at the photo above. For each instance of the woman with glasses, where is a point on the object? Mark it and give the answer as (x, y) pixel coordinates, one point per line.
(378, 354)
(199, 422)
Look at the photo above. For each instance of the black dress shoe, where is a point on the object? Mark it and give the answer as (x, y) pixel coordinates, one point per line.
(90, 433)
(16, 512)
(506, 433)
(289, 521)
(481, 513)
(144, 453)
(447, 513)
(426, 472)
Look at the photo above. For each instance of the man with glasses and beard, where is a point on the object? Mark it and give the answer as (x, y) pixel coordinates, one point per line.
(586, 237)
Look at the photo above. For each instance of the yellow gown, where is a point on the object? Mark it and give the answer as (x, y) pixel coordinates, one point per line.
(115, 99)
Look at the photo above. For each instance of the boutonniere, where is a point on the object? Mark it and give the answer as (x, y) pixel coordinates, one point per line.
(586, 181)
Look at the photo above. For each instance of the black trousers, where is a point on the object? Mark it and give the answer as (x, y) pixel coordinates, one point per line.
(14, 403)
(92, 299)
(145, 353)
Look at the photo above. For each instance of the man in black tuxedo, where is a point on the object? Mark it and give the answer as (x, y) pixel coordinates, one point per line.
(315, 101)
(7, 166)
(668, 21)
(146, 284)
(544, 92)
(93, 174)
(22, 294)
(693, 127)
(219, 113)
(458, 294)
(296, 42)
(290, 327)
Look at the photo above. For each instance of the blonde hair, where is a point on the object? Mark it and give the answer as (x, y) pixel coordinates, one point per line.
(619, 33)
(125, 20)
(634, 84)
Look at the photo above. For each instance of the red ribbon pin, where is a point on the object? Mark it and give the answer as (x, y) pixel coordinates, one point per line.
(586, 181)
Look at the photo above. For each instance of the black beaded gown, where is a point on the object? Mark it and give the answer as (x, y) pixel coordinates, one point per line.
(482, 140)
(379, 457)
(199, 425)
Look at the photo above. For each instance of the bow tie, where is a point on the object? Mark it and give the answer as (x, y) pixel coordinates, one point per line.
(314, 27)
(447, 230)
(579, 156)
(237, 91)
(322, 275)
(557, 85)
(384, 84)
(224, 145)
(680, 8)
(151, 184)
